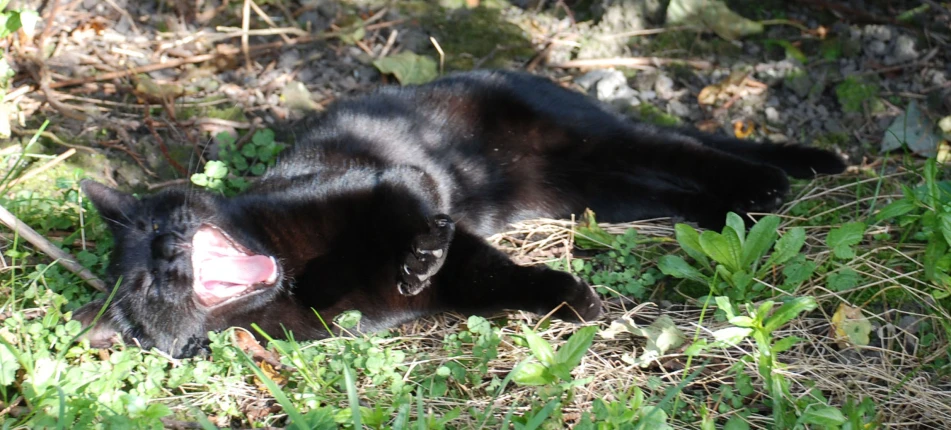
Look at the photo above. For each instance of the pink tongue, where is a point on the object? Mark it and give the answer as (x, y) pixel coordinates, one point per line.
(245, 270)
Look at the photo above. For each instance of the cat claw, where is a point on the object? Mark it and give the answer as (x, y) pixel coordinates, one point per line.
(427, 257)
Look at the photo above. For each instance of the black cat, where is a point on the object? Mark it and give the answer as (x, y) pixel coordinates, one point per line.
(382, 204)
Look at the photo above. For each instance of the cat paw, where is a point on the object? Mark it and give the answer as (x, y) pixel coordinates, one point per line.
(806, 162)
(761, 192)
(427, 256)
(576, 300)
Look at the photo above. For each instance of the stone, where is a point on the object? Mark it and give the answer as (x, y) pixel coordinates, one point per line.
(903, 50)
(876, 47)
(772, 115)
(664, 86)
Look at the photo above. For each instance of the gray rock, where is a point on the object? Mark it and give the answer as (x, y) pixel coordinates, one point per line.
(876, 47)
(648, 95)
(832, 126)
(664, 86)
(821, 110)
(587, 80)
(772, 115)
(678, 109)
(879, 32)
(902, 51)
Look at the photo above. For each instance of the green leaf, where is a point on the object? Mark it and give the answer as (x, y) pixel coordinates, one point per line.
(742, 321)
(731, 335)
(788, 311)
(787, 246)
(589, 235)
(824, 416)
(262, 137)
(785, 343)
(689, 240)
(408, 67)
(571, 353)
(654, 418)
(843, 238)
(216, 170)
(944, 224)
(696, 348)
(895, 209)
(843, 280)
(736, 422)
(791, 50)
(540, 347)
(760, 239)
(712, 15)
(200, 179)
(250, 151)
(798, 270)
(532, 374)
(724, 304)
(722, 248)
(348, 319)
(673, 265)
(735, 223)
(225, 139)
(912, 130)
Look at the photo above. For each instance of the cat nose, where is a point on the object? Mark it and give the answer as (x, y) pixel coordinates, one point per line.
(165, 246)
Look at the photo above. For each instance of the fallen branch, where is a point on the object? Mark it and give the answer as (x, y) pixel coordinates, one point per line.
(633, 62)
(64, 259)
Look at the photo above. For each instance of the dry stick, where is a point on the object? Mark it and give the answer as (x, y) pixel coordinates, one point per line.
(245, 24)
(42, 168)
(180, 62)
(268, 20)
(65, 260)
(630, 62)
(134, 71)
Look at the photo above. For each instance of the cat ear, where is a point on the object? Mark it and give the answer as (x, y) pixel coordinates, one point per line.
(104, 333)
(113, 205)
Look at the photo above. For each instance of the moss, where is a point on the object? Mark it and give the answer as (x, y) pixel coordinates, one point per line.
(472, 37)
(852, 93)
(649, 113)
(831, 140)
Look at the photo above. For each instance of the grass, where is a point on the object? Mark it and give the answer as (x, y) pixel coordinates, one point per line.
(763, 354)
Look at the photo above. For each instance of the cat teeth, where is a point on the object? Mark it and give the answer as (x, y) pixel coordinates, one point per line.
(438, 253)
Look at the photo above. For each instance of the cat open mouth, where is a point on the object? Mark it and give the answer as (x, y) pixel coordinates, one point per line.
(225, 270)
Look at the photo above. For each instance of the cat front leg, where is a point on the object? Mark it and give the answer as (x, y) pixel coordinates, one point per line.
(479, 279)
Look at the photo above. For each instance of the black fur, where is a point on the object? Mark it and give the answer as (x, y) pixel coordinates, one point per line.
(382, 203)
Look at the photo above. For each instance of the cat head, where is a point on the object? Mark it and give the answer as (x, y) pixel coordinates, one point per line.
(182, 263)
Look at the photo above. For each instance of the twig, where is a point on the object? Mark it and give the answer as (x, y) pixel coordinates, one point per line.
(133, 71)
(633, 62)
(389, 43)
(938, 7)
(64, 259)
(245, 24)
(384, 24)
(646, 32)
(164, 184)
(162, 147)
(183, 61)
(69, 152)
(268, 20)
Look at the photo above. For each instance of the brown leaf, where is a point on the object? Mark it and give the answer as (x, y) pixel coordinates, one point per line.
(743, 129)
(247, 343)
